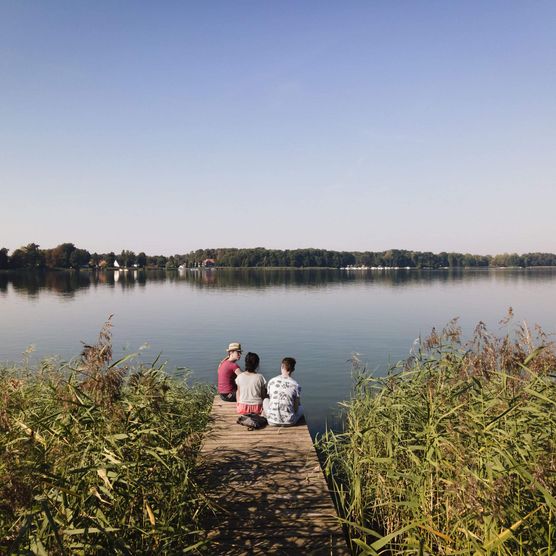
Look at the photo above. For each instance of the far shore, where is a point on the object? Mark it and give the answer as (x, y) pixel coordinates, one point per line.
(266, 268)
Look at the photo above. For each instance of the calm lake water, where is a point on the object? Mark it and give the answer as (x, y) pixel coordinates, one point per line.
(320, 317)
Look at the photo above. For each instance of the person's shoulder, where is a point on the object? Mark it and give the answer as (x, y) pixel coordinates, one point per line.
(230, 365)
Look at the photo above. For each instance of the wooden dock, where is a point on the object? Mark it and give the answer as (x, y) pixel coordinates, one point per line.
(270, 490)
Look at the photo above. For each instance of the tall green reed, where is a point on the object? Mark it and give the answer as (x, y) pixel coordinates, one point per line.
(98, 457)
(454, 452)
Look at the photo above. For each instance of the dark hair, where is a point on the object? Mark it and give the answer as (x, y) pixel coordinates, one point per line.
(251, 362)
(289, 363)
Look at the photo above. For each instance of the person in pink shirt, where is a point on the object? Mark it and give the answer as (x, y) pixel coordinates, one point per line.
(228, 370)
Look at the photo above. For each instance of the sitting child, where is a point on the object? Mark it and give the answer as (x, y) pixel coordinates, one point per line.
(284, 406)
(251, 387)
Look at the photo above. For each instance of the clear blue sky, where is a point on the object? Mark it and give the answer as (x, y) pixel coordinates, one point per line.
(171, 126)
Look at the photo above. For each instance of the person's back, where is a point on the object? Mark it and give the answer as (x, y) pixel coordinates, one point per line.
(227, 372)
(284, 404)
(251, 387)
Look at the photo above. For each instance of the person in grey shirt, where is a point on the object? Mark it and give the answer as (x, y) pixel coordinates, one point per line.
(251, 387)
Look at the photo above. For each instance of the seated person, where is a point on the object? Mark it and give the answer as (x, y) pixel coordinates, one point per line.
(251, 387)
(227, 372)
(283, 406)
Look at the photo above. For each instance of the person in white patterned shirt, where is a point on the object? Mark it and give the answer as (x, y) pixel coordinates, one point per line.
(283, 406)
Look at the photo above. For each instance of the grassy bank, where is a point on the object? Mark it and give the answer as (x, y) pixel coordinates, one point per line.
(454, 452)
(97, 457)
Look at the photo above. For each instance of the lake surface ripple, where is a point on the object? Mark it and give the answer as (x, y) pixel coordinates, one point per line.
(321, 317)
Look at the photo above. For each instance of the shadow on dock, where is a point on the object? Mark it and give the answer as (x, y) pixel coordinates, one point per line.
(268, 489)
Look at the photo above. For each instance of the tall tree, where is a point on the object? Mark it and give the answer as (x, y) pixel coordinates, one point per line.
(59, 257)
(126, 258)
(18, 259)
(79, 258)
(35, 257)
(94, 260)
(4, 259)
(29, 256)
(141, 260)
(110, 258)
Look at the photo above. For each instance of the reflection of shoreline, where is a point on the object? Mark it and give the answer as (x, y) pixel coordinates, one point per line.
(67, 283)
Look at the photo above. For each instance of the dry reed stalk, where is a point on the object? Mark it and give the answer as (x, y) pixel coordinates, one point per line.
(454, 451)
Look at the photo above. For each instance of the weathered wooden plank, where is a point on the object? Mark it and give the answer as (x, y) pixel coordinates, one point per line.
(310, 545)
(269, 488)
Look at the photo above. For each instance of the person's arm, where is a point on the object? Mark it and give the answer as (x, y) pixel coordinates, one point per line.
(237, 389)
(297, 400)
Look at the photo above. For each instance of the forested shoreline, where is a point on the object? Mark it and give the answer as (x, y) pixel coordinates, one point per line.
(67, 255)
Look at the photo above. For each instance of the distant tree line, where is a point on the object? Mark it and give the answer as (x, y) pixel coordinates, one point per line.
(67, 255)
(261, 257)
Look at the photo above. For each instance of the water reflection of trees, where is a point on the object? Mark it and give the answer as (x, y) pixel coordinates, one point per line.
(66, 283)
(69, 283)
(315, 278)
